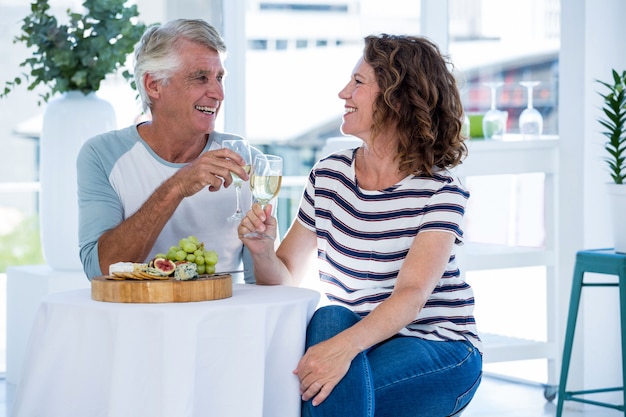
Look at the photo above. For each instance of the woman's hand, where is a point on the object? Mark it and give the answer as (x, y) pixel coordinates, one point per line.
(321, 368)
(258, 219)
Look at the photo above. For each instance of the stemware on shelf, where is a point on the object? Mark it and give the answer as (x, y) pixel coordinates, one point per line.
(494, 121)
(243, 149)
(530, 120)
(265, 180)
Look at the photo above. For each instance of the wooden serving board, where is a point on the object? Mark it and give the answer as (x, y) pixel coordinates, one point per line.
(161, 291)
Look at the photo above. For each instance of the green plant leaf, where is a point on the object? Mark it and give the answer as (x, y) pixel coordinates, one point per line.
(78, 55)
(614, 124)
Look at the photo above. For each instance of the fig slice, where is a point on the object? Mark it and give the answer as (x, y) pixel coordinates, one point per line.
(164, 266)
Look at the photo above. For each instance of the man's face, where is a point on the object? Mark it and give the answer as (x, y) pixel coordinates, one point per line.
(192, 97)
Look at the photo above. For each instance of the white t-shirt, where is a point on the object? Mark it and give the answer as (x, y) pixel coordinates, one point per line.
(363, 237)
(117, 172)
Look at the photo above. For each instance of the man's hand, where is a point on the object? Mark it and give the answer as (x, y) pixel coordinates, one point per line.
(211, 169)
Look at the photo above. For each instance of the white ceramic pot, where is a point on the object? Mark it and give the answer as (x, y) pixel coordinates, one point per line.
(617, 201)
(68, 122)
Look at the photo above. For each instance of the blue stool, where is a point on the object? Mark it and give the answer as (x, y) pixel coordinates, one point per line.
(601, 261)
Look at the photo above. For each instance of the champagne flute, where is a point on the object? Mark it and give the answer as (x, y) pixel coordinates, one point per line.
(267, 174)
(530, 121)
(241, 147)
(494, 121)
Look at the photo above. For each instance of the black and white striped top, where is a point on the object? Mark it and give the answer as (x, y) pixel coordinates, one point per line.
(363, 237)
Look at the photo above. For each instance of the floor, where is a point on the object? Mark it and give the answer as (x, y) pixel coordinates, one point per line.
(494, 398)
(502, 398)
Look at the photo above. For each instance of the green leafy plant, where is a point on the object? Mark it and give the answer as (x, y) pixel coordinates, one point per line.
(77, 56)
(615, 124)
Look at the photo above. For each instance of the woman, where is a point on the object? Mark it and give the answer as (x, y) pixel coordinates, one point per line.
(398, 337)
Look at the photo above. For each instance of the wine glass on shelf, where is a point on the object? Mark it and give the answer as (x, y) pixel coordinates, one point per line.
(530, 120)
(265, 179)
(494, 121)
(243, 149)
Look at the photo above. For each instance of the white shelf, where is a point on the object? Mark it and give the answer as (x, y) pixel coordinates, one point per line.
(491, 157)
(477, 256)
(500, 348)
(512, 157)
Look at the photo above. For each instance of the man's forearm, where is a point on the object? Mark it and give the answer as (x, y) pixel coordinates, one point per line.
(133, 239)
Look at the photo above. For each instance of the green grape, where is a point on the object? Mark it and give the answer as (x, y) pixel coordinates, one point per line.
(189, 247)
(210, 257)
(171, 255)
(160, 255)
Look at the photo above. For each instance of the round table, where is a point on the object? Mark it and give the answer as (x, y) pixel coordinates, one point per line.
(229, 357)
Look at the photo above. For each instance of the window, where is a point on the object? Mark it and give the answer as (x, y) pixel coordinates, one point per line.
(486, 46)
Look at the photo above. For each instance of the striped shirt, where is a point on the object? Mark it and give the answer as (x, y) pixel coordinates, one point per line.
(363, 237)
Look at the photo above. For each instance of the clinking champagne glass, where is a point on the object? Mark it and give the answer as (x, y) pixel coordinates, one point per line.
(265, 179)
(243, 149)
(530, 120)
(494, 121)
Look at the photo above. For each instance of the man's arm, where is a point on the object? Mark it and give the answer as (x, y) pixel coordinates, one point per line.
(131, 239)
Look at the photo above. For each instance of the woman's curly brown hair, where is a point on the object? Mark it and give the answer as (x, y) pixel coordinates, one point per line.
(419, 96)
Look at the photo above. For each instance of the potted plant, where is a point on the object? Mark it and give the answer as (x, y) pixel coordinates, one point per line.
(614, 123)
(71, 60)
(79, 55)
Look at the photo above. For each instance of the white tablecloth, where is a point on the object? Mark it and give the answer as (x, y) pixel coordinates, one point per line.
(231, 357)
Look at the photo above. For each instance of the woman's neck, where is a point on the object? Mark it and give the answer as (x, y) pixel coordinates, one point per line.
(376, 168)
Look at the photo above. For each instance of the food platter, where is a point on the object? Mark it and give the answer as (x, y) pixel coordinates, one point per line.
(204, 288)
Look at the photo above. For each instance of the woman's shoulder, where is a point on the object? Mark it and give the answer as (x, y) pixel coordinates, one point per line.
(441, 179)
(343, 157)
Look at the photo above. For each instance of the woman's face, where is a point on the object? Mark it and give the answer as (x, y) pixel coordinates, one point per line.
(359, 96)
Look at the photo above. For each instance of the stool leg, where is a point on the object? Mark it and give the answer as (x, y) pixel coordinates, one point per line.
(622, 307)
(572, 316)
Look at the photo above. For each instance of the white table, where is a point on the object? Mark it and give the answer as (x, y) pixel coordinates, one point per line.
(231, 357)
(26, 285)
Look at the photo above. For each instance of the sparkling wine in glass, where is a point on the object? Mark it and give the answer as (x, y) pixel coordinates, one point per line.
(265, 179)
(530, 120)
(243, 149)
(494, 121)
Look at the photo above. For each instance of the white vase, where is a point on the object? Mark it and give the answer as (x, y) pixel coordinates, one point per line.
(617, 201)
(68, 122)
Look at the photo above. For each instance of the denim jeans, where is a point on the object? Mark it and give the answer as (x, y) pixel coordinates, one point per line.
(402, 376)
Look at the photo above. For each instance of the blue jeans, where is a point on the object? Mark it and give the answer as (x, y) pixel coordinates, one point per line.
(402, 376)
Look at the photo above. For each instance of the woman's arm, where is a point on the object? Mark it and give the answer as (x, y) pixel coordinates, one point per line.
(324, 364)
(291, 262)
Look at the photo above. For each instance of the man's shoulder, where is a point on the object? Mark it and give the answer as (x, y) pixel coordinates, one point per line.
(219, 137)
(114, 140)
(108, 147)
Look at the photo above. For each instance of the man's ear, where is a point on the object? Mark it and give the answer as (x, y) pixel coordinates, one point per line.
(152, 86)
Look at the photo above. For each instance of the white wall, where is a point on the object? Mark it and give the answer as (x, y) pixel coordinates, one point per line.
(591, 45)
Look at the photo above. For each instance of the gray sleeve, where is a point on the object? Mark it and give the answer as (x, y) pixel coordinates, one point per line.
(99, 207)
